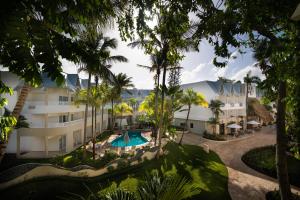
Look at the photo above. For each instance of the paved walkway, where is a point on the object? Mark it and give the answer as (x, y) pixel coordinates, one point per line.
(244, 183)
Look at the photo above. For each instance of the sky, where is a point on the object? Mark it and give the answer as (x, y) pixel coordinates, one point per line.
(197, 66)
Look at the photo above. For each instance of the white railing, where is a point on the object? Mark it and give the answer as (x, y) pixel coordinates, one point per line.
(64, 124)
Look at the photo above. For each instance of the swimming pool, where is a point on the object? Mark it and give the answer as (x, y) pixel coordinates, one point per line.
(135, 139)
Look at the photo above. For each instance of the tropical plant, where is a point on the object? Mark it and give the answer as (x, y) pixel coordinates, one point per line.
(278, 59)
(153, 187)
(215, 107)
(121, 84)
(189, 98)
(153, 68)
(121, 109)
(213, 121)
(248, 81)
(95, 59)
(95, 99)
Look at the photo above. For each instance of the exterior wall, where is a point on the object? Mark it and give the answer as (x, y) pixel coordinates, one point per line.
(234, 108)
(198, 126)
(43, 109)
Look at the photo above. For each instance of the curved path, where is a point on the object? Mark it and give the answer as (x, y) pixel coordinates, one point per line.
(244, 183)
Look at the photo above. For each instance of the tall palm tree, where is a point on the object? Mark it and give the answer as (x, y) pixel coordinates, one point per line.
(121, 83)
(189, 98)
(215, 107)
(223, 82)
(155, 68)
(121, 109)
(104, 90)
(248, 81)
(95, 60)
(93, 98)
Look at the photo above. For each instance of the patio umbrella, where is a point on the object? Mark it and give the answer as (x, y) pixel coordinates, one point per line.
(126, 137)
(236, 126)
(253, 122)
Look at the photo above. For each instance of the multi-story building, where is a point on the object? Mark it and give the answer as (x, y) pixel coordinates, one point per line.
(234, 109)
(56, 124)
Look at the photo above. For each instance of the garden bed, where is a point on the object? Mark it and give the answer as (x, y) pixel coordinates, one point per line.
(206, 171)
(213, 137)
(263, 160)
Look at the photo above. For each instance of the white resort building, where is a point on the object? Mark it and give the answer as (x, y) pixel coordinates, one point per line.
(234, 99)
(56, 124)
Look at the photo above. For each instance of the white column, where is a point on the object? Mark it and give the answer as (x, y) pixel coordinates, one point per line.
(46, 145)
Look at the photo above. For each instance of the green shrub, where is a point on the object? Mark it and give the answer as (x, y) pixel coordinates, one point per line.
(70, 161)
(104, 135)
(125, 155)
(110, 168)
(263, 160)
(213, 136)
(122, 164)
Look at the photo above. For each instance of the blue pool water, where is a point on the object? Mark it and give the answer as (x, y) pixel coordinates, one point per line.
(135, 139)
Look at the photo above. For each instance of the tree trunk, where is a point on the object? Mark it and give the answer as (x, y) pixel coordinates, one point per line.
(186, 121)
(102, 113)
(121, 122)
(112, 115)
(93, 132)
(94, 136)
(156, 107)
(282, 144)
(85, 118)
(160, 131)
(246, 107)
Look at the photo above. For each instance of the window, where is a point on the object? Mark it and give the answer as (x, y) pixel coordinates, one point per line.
(72, 117)
(191, 125)
(72, 98)
(182, 124)
(232, 104)
(241, 104)
(63, 118)
(63, 100)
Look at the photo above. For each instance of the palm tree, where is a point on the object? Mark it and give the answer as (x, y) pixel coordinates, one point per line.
(223, 82)
(249, 80)
(215, 107)
(95, 60)
(94, 98)
(121, 83)
(189, 98)
(133, 103)
(155, 68)
(121, 109)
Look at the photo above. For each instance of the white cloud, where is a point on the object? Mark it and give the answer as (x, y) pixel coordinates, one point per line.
(255, 71)
(207, 71)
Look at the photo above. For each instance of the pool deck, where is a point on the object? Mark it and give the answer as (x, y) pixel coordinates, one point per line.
(102, 147)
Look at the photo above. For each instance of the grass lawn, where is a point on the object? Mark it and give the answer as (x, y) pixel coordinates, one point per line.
(263, 160)
(205, 170)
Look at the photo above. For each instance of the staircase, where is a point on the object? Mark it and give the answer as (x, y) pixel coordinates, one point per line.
(260, 110)
(21, 101)
(16, 112)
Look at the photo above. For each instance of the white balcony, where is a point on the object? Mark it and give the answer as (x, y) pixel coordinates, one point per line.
(64, 124)
(39, 107)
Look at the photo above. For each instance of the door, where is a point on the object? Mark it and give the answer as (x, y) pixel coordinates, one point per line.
(222, 129)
